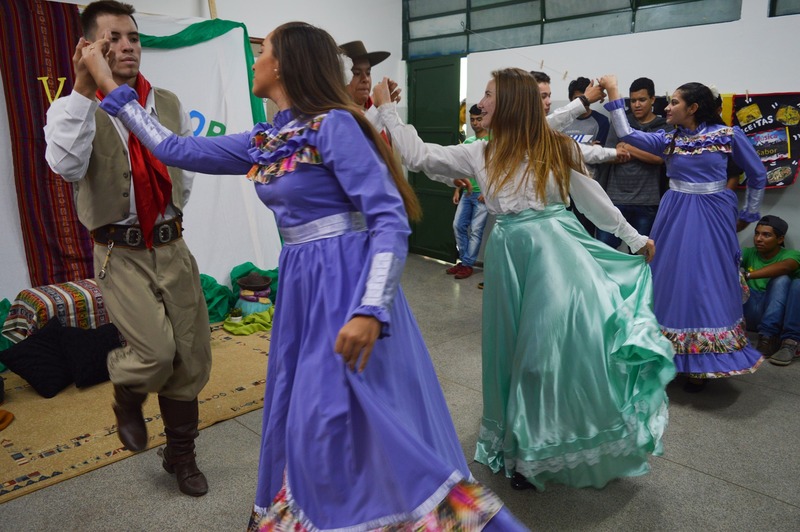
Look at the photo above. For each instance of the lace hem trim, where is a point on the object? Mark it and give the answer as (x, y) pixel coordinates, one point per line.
(622, 447)
(554, 464)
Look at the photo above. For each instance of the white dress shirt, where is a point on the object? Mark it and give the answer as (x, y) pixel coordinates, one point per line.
(447, 163)
(69, 134)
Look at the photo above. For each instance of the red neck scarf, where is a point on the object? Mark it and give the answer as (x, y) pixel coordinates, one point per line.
(152, 185)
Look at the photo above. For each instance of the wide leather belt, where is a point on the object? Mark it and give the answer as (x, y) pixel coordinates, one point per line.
(131, 236)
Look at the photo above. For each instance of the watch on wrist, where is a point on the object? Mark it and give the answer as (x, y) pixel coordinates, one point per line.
(584, 100)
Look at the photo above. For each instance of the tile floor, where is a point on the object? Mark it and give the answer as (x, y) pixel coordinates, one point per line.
(731, 453)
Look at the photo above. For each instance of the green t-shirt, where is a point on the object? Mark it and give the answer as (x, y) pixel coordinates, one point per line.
(470, 140)
(752, 261)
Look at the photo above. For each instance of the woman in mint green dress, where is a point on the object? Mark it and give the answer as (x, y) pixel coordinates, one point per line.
(574, 364)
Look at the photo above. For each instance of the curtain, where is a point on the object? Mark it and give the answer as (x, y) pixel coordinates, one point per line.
(37, 68)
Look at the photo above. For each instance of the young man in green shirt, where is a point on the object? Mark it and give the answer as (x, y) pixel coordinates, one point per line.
(773, 276)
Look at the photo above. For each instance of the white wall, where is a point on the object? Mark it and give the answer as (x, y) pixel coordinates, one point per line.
(752, 54)
(378, 23)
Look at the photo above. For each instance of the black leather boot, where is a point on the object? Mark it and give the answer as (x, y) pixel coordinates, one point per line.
(131, 429)
(180, 425)
(519, 482)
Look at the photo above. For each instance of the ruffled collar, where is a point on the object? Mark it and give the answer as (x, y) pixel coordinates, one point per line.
(283, 117)
(706, 136)
(287, 135)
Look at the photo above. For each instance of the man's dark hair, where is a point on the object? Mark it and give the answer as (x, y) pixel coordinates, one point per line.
(578, 85)
(475, 110)
(103, 7)
(540, 77)
(644, 84)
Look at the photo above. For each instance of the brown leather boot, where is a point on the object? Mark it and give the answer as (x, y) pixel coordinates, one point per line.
(131, 429)
(180, 425)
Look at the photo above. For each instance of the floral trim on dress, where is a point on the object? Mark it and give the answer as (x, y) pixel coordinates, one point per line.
(701, 140)
(464, 506)
(698, 341)
(723, 374)
(278, 150)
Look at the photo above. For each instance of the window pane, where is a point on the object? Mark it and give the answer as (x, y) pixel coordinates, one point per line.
(503, 16)
(430, 27)
(508, 38)
(482, 3)
(687, 14)
(422, 8)
(588, 27)
(782, 7)
(570, 8)
(444, 46)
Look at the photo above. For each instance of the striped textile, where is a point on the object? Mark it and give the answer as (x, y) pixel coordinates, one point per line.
(38, 39)
(75, 304)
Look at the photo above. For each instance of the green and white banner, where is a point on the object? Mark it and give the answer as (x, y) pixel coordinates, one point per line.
(208, 64)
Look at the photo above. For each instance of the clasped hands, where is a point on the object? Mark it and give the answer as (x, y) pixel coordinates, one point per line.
(92, 62)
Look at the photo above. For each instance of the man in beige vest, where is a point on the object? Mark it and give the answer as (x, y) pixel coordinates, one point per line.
(132, 204)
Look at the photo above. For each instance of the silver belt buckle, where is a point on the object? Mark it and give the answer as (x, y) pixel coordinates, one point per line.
(133, 236)
(165, 233)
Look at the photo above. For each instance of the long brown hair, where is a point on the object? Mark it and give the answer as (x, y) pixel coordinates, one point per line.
(314, 81)
(520, 135)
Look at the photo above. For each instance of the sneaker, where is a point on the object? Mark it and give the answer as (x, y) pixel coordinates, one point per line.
(452, 270)
(767, 345)
(465, 272)
(785, 355)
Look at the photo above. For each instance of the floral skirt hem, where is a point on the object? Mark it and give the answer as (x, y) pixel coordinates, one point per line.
(465, 505)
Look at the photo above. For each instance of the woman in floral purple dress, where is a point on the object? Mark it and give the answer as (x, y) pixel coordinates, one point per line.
(356, 433)
(697, 294)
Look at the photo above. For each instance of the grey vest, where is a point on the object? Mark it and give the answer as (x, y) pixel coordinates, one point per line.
(103, 195)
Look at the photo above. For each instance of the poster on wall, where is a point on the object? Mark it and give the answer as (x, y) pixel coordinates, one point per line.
(772, 123)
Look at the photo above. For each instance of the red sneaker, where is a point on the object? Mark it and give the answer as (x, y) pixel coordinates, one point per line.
(465, 272)
(452, 270)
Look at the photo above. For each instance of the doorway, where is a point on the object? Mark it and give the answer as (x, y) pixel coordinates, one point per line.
(434, 99)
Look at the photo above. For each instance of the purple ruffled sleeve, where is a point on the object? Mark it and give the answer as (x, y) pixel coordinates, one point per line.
(650, 142)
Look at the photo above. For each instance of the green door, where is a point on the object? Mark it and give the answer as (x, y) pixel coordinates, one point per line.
(433, 103)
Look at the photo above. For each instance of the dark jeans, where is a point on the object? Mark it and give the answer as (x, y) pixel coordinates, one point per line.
(775, 312)
(641, 217)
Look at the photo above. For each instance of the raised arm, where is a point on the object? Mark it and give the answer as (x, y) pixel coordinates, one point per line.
(650, 142)
(441, 163)
(70, 127)
(209, 155)
(563, 116)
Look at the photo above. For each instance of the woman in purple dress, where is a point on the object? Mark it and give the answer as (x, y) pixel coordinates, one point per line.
(356, 431)
(698, 297)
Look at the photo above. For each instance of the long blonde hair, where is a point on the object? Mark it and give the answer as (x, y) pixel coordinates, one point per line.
(317, 86)
(520, 134)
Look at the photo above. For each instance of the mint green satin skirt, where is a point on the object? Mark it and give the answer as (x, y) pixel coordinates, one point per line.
(574, 364)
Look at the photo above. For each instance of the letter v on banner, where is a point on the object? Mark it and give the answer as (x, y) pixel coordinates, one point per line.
(50, 98)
